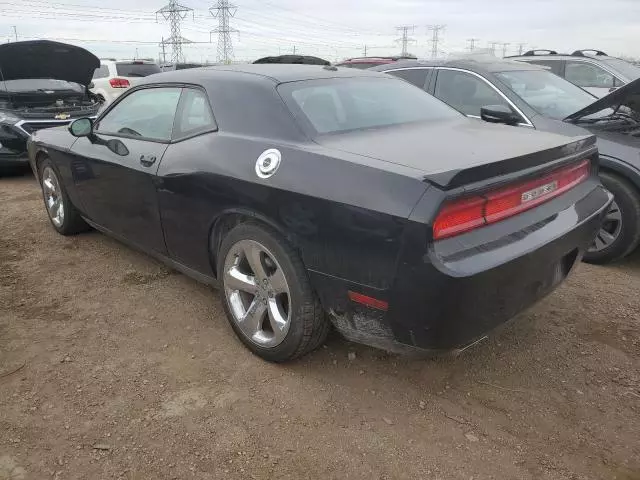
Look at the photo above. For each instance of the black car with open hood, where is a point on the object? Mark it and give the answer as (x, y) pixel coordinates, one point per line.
(530, 96)
(43, 84)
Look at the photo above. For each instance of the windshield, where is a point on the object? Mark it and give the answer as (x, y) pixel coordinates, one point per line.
(547, 93)
(344, 104)
(625, 68)
(136, 69)
(40, 85)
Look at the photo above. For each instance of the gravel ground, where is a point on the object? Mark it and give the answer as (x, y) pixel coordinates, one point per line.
(113, 366)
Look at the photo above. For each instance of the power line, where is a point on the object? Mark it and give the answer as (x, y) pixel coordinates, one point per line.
(405, 40)
(472, 43)
(435, 38)
(223, 11)
(175, 13)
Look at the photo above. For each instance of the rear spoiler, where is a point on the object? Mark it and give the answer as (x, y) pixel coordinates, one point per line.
(518, 167)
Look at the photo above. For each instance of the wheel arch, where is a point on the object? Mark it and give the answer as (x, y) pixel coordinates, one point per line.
(40, 155)
(231, 217)
(622, 169)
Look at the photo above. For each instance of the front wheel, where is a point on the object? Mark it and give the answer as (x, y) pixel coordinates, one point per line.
(620, 232)
(267, 296)
(63, 215)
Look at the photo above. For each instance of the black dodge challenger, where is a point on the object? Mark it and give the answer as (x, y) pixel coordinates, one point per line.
(315, 196)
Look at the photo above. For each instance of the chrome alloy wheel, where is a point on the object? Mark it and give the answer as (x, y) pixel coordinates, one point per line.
(53, 196)
(257, 293)
(610, 230)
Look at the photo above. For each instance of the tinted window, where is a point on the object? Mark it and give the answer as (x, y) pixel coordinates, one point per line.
(588, 75)
(547, 93)
(136, 69)
(553, 65)
(465, 92)
(625, 68)
(342, 104)
(416, 76)
(101, 72)
(195, 115)
(145, 113)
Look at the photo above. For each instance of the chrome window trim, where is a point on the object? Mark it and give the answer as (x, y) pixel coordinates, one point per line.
(497, 90)
(600, 65)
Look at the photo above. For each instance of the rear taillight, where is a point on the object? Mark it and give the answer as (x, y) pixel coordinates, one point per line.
(469, 213)
(119, 83)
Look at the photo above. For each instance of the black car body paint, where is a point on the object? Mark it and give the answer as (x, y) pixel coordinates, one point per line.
(358, 206)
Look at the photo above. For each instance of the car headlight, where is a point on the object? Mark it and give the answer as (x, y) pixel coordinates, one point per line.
(6, 117)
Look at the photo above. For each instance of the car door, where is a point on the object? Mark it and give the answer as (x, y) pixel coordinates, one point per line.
(114, 168)
(593, 78)
(468, 92)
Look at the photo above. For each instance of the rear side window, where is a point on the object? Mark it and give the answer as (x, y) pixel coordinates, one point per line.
(416, 76)
(101, 72)
(136, 69)
(194, 114)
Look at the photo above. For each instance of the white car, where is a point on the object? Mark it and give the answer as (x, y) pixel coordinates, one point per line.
(114, 77)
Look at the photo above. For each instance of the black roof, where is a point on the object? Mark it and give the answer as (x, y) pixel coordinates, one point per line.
(294, 59)
(278, 73)
(487, 63)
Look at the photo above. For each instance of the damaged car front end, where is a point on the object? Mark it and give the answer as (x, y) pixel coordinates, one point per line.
(43, 84)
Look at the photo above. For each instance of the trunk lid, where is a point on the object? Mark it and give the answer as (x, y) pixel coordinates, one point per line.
(625, 96)
(459, 152)
(46, 59)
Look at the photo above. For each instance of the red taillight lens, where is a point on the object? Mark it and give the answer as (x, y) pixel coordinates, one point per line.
(119, 83)
(469, 213)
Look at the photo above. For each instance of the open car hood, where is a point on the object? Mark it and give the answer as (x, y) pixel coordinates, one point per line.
(46, 59)
(628, 95)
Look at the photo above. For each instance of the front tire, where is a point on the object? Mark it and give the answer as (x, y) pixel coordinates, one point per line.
(62, 214)
(267, 296)
(620, 232)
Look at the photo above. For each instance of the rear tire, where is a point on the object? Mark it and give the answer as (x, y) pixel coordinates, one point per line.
(61, 212)
(626, 233)
(272, 309)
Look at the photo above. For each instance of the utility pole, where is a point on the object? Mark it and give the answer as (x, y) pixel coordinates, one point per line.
(164, 53)
(435, 38)
(365, 51)
(472, 43)
(174, 13)
(405, 40)
(223, 11)
(15, 32)
(504, 49)
(521, 48)
(294, 49)
(493, 47)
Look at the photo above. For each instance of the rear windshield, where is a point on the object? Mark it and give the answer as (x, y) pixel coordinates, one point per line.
(346, 104)
(136, 69)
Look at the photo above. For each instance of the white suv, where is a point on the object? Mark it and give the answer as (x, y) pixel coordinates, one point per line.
(113, 77)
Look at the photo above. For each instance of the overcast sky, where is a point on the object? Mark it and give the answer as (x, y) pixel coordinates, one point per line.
(333, 29)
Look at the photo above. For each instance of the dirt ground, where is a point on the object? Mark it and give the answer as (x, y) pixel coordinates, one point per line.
(113, 366)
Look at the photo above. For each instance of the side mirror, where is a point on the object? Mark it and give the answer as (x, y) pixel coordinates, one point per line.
(81, 127)
(499, 114)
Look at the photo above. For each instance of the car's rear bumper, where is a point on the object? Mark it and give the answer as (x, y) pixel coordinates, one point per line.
(450, 294)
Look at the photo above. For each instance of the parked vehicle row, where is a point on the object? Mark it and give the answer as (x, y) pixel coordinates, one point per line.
(113, 77)
(530, 96)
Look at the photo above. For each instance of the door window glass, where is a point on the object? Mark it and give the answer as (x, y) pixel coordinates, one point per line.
(416, 76)
(147, 113)
(466, 93)
(195, 115)
(588, 75)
